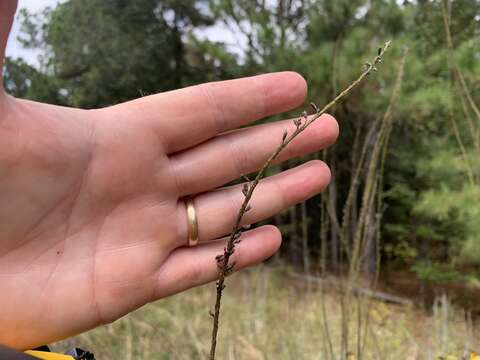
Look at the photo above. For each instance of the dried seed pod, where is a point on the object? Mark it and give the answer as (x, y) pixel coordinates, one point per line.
(314, 107)
(245, 189)
(248, 208)
(284, 136)
(230, 269)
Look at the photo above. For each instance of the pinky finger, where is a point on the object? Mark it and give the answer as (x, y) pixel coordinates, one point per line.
(189, 267)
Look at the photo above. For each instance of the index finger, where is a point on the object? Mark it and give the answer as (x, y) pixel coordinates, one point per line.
(186, 117)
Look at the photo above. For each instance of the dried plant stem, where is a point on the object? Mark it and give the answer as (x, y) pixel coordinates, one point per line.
(456, 67)
(223, 261)
(465, 97)
(371, 181)
(370, 214)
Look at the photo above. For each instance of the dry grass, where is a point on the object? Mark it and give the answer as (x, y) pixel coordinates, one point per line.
(268, 316)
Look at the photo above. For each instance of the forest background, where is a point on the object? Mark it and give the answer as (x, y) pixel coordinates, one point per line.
(403, 207)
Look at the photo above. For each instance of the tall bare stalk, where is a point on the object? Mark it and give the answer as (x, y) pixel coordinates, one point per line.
(366, 225)
(466, 99)
(371, 182)
(388, 117)
(223, 261)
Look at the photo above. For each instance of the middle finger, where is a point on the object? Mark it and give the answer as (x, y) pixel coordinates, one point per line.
(239, 152)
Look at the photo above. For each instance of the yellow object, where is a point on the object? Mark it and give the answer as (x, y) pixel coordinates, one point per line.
(48, 355)
(350, 356)
(474, 356)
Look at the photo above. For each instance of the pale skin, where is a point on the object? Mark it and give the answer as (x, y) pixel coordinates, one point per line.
(92, 222)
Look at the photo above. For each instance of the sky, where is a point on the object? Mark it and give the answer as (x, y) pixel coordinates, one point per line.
(14, 48)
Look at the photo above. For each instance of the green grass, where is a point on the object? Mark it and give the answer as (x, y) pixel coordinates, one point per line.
(266, 315)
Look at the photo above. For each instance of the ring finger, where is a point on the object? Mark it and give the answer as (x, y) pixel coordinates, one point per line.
(217, 210)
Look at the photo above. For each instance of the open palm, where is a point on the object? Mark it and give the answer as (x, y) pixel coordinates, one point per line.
(92, 222)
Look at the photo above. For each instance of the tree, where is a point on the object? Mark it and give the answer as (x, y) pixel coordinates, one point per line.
(111, 51)
(24, 81)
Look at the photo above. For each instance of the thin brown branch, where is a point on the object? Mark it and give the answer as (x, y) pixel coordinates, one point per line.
(223, 261)
(457, 71)
(465, 99)
(371, 181)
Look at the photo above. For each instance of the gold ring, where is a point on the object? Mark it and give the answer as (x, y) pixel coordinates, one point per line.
(192, 222)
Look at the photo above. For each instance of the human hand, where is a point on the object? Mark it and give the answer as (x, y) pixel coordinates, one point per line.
(92, 222)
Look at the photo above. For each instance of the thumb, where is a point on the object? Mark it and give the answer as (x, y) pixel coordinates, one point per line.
(7, 14)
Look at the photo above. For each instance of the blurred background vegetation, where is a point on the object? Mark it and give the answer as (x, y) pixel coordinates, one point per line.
(402, 212)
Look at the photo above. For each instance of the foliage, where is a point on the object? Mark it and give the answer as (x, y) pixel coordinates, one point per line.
(23, 80)
(103, 52)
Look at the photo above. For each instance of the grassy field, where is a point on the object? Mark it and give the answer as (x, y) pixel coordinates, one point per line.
(267, 315)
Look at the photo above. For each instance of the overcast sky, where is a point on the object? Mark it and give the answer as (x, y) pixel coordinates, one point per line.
(14, 48)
